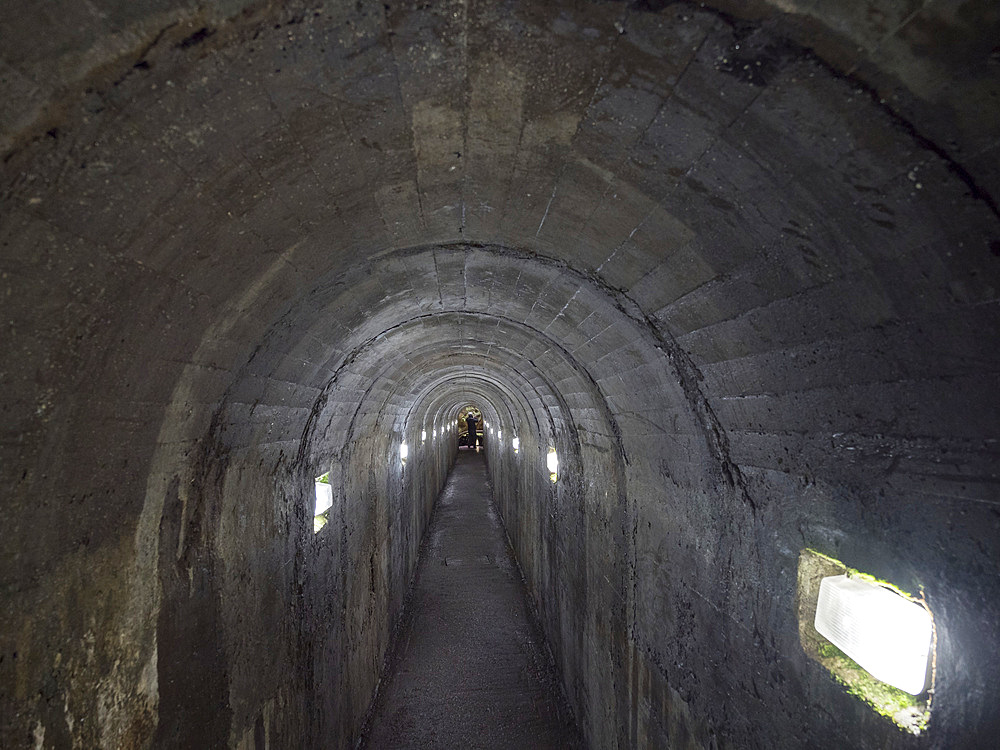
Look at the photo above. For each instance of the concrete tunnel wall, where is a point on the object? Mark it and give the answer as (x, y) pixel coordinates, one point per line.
(736, 262)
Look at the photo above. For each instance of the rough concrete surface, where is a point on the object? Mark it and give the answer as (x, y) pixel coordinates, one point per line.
(472, 669)
(736, 263)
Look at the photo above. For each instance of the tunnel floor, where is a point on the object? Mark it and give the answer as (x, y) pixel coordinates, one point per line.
(471, 669)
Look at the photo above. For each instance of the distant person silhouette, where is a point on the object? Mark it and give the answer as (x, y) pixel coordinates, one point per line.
(473, 440)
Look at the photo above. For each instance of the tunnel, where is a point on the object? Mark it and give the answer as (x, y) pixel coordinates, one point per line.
(733, 265)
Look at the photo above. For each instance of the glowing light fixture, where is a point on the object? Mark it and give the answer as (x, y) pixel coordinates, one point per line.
(404, 451)
(516, 444)
(324, 501)
(324, 497)
(882, 631)
(499, 434)
(552, 461)
(423, 436)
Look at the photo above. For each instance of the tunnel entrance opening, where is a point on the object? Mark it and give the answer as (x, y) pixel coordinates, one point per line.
(472, 429)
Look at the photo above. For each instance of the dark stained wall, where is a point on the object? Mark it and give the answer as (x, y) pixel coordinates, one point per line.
(736, 262)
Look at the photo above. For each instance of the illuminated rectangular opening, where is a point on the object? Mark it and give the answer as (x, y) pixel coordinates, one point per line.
(873, 638)
(324, 501)
(552, 462)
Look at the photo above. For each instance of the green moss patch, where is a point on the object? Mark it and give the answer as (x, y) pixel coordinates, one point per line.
(321, 520)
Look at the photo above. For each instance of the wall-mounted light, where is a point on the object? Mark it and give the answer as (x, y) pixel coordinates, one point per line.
(404, 451)
(516, 444)
(324, 501)
(552, 461)
(888, 635)
(324, 497)
(423, 436)
(499, 434)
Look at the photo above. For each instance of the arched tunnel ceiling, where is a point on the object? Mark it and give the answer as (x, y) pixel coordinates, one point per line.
(539, 337)
(751, 249)
(930, 61)
(272, 176)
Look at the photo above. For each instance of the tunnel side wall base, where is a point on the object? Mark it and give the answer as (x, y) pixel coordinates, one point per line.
(271, 634)
(358, 572)
(668, 595)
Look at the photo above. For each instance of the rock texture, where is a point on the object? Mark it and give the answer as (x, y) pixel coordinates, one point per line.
(737, 262)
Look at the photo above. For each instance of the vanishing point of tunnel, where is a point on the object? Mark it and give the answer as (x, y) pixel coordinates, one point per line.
(721, 281)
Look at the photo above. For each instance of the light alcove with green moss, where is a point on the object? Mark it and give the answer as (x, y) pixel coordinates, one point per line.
(324, 502)
(911, 713)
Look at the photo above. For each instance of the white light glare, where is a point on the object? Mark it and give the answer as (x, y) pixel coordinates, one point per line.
(423, 436)
(404, 451)
(553, 463)
(516, 444)
(499, 434)
(882, 631)
(324, 497)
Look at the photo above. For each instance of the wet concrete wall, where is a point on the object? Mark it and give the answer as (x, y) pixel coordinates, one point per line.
(736, 262)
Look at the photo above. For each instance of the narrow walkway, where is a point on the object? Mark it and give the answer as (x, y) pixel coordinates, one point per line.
(471, 669)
